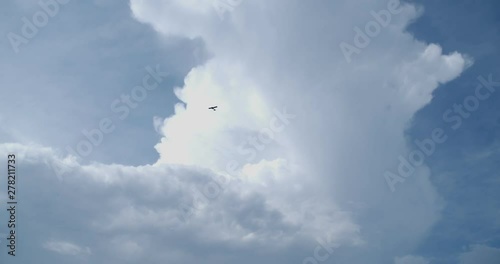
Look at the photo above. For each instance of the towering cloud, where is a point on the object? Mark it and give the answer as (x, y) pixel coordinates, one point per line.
(289, 169)
(349, 120)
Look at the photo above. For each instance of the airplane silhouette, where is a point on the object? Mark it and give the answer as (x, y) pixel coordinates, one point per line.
(213, 107)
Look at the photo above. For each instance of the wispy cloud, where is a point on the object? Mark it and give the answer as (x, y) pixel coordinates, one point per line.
(66, 248)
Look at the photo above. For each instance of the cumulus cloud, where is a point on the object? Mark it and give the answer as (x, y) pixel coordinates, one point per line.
(248, 84)
(185, 15)
(350, 117)
(316, 175)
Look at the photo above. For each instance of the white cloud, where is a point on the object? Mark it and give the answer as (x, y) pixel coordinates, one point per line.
(301, 186)
(185, 15)
(66, 248)
(350, 117)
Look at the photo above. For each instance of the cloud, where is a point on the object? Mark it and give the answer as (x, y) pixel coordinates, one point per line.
(320, 177)
(185, 15)
(128, 211)
(351, 118)
(66, 248)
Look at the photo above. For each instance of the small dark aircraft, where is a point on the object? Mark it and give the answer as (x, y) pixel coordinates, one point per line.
(213, 107)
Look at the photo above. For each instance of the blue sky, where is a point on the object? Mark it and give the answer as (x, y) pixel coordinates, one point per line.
(297, 151)
(466, 166)
(88, 62)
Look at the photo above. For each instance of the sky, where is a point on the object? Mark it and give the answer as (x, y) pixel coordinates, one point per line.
(346, 131)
